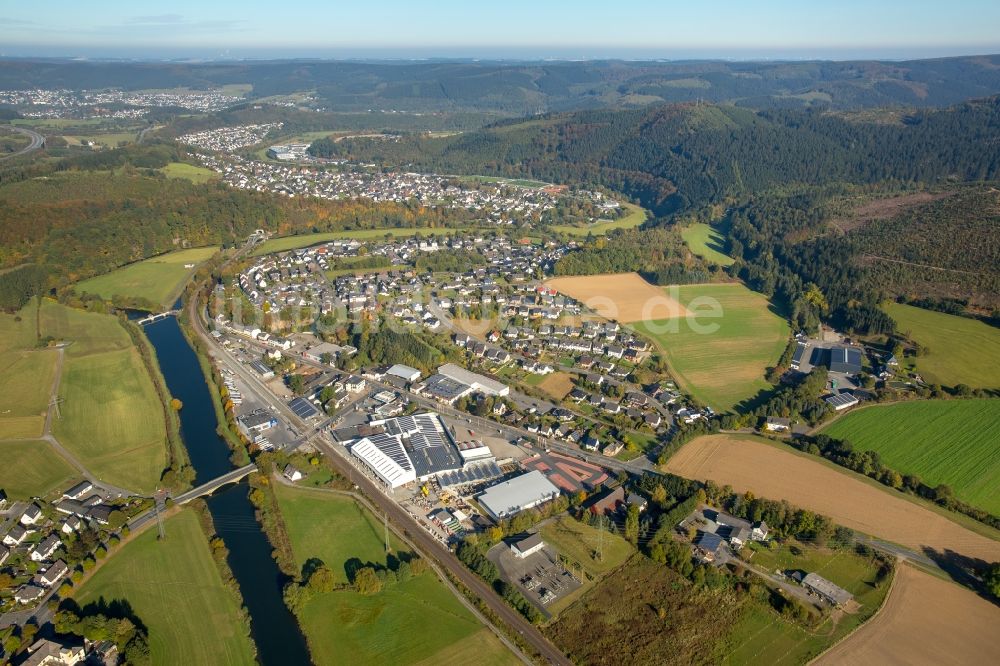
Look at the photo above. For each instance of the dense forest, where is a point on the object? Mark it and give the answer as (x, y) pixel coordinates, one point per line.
(659, 255)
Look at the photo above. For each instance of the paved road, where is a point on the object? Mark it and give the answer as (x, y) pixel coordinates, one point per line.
(210, 487)
(429, 545)
(37, 141)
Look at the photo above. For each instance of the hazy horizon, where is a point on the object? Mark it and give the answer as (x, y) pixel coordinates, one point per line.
(518, 30)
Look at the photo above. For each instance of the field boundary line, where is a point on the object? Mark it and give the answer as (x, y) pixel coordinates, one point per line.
(878, 611)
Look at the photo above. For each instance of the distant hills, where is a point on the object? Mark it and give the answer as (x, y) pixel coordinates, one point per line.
(537, 87)
(673, 158)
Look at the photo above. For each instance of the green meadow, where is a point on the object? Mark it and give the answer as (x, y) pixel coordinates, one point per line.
(707, 242)
(417, 621)
(32, 468)
(721, 360)
(943, 441)
(175, 588)
(158, 280)
(960, 350)
(196, 174)
(634, 218)
(111, 417)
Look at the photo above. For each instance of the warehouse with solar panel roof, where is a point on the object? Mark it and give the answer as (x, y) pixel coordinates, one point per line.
(404, 449)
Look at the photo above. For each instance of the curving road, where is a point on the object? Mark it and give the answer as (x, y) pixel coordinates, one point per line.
(37, 141)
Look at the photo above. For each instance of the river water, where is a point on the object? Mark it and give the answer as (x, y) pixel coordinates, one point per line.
(272, 625)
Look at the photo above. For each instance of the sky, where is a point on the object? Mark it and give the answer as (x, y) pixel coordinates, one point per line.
(566, 29)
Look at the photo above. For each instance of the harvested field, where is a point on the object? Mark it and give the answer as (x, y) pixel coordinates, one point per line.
(557, 384)
(925, 620)
(624, 297)
(750, 463)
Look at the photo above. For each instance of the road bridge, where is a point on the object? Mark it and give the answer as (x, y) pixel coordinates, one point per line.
(211, 486)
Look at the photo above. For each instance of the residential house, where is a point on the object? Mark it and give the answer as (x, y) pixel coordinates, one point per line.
(45, 548)
(777, 424)
(31, 515)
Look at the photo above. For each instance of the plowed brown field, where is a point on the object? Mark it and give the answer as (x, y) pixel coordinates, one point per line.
(623, 297)
(925, 620)
(748, 463)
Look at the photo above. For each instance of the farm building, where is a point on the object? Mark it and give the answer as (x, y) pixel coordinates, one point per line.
(777, 424)
(845, 360)
(526, 546)
(841, 401)
(833, 594)
(709, 546)
(522, 492)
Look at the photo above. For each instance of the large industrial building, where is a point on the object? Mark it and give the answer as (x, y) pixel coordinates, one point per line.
(515, 495)
(408, 448)
(453, 382)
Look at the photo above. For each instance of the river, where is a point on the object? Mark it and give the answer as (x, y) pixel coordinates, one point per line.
(273, 627)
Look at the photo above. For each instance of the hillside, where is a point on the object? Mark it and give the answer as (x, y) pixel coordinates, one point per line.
(678, 157)
(946, 248)
(522, 88)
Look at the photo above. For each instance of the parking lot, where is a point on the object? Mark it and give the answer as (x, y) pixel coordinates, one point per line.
(540, 577)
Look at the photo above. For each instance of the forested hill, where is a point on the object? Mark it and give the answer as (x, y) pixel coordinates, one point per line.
(523, 88)
(675, 157)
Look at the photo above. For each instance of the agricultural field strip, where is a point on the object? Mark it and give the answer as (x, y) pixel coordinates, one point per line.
(748, 463)
(943, 441)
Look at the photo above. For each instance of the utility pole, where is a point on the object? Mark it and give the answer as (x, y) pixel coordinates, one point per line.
(385, 518)
(159, 519)
(600, 538)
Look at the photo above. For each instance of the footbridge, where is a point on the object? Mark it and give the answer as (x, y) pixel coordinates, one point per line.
(149, 319)
(216, 483)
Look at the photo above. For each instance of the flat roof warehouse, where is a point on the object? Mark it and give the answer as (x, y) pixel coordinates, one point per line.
(408, 448)
(520, 493)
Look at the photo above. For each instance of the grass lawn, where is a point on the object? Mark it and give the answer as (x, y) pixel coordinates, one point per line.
(726, 364)
(942, 441)
(407, 623)
(111, 416)
(33, 469)
(175, 589)
(108, 140)
(634, 218)
(306, 240)
(707, 242)
(960, 350)
(112, 419)
(158, 279)
(579, 541)
(24, 392)
(763, 637)
(17, 331)
(196, 174)
(88, 333)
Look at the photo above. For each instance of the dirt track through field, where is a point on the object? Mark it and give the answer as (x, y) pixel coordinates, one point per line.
(749, 464)
(925, 620)
(623, 297)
